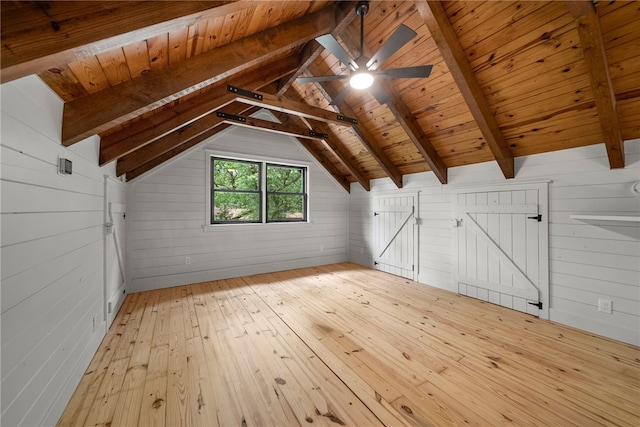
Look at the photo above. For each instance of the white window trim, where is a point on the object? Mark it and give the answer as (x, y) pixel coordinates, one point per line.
(261, 159)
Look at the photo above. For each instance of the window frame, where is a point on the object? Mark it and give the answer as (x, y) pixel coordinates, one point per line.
(304, 193)
(264, 160)
(258, 191)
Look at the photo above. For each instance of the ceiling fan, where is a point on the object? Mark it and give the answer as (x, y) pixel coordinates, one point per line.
(364, 71)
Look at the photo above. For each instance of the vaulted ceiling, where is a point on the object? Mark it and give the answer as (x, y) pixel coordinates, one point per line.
(509, 78)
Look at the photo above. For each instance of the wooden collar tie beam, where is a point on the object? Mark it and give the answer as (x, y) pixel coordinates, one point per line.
(210, 119)
(266, 125)
(272, 102)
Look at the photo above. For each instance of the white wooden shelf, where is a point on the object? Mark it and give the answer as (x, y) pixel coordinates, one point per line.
(616, 218)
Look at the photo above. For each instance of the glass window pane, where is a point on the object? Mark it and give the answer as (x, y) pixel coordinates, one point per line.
(285, 179)
(238, 193)
(285, 207)
(235, 175)
(229, 206)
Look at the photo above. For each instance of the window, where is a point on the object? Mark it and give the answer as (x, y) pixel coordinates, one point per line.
(244, 191)
(235, 191)
(286, 195)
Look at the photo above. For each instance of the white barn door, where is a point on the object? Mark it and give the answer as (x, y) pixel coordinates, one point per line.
(502, 246)
(396, 234)
(114, 268)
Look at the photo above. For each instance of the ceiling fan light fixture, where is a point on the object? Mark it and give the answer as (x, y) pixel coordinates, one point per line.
(361, 80)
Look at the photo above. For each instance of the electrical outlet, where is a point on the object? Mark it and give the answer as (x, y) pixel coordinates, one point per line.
(187, 260)
(604, 305)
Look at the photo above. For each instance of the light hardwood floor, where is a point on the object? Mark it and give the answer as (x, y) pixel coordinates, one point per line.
(346, 345)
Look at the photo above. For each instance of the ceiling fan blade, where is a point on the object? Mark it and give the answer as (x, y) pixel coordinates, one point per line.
(379, 94)
(321, 78)
(405, 73)
(341, 96)
(399, 38)
(331, 44)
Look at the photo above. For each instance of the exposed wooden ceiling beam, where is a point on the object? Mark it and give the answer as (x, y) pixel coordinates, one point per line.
(365, 137)
(133, 164)
(332, 143)
(39, 35)
(173, 139)
(345, 14)
(308, 55)
(102, 110)
(337, 152)
(137, 135)
(283, 128)
(128, 150)
(168, 155)
(300, 109)
(415, 133)
(326, 164)
(196, 128)
(139, 157)
(179, 137)
(595, 56)
(306, 144)
(330, 91)
(436, 19)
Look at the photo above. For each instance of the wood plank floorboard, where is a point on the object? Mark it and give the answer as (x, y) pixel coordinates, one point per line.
(346, 345)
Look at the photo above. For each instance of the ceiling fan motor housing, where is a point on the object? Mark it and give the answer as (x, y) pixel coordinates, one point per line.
(362, 8)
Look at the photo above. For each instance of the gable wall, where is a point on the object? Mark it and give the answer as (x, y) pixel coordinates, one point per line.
(52, 256)
(588, 260)
(167, 216)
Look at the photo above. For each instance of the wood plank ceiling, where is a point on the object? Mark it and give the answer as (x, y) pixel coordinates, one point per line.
(509, 78)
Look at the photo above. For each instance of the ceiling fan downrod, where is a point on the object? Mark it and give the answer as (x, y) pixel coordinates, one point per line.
(362, 8)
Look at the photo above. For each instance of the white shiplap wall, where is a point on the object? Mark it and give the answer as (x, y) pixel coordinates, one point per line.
(435, 238)
(52, 256)
(167, 214)
(588, 260)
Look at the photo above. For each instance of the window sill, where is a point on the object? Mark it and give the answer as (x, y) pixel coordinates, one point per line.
(218, 227)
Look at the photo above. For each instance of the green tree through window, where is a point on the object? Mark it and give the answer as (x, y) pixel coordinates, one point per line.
(237, 190)
(286, 198)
